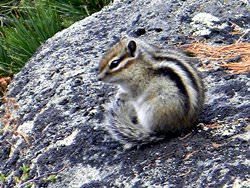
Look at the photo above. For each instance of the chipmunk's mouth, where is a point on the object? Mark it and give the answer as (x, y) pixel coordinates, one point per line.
(105, 78)
(108, 78)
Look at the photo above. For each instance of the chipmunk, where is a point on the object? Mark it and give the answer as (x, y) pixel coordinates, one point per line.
(160, 91)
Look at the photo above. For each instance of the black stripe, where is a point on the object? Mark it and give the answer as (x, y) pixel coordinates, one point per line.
(182, 66)
(170, 73)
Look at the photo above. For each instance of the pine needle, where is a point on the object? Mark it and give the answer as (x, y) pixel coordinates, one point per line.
(224, 54)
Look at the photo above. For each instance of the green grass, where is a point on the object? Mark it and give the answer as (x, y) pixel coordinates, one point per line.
(25, 25)
(29, 32)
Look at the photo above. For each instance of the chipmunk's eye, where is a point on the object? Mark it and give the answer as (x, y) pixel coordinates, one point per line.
(114, 63)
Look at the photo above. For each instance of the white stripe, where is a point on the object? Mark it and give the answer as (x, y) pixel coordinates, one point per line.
(192, 93)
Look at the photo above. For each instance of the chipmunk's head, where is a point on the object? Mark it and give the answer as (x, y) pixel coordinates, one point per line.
(116, 64)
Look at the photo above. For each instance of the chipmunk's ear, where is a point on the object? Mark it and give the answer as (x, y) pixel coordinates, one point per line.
(131, 48)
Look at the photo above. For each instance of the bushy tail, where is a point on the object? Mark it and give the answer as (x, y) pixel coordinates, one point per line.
(124, 126)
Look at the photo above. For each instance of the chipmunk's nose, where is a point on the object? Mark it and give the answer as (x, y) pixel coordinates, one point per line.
(99, 77)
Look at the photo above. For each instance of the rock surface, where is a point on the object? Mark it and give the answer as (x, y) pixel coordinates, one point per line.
(61, 106)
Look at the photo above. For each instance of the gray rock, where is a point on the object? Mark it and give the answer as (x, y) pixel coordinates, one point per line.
(61, 106)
